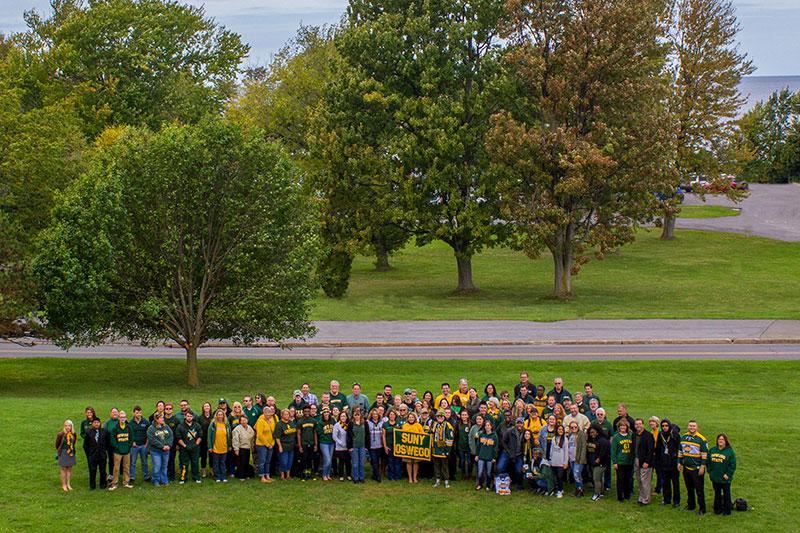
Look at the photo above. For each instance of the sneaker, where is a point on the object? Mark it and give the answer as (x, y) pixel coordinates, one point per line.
(437, 483)
(243, 479)
(559, 494)
(112, 487)
(478, 487)
(217, 481)
(595, 497)
(181, 482)
(446, 484)
(488, 489)
(225, 480)
(341, 479)
(128, 486)
(198, 480)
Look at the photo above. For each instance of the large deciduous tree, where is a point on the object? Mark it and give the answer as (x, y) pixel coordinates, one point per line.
(707, 69)
(193, 233)
(582, 161)
(433, 67)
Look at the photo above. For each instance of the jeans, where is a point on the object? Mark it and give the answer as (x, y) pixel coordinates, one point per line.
(395, 468)
(465, 463)
(173, 453)
(218, 465)
(160, 459)
(559, 473)
(285, 460)
(722, 498)
(263, 458)
(484, 472)
(502, 463)
(375, 462)
(577, 473)
(327, 458)
(358, 457)
(136, 453)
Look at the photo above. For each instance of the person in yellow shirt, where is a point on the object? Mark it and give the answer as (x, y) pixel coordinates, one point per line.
(445, 395)
(534, 423)
(412, 465)
(219, 443)
(265, 442)
(463, 391)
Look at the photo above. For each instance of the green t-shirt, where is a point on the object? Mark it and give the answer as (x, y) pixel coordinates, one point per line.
(325, 431)
(338, 400)
(252, 414)
(359, 435)
(390, 433)
(286, 433)
(307, 427)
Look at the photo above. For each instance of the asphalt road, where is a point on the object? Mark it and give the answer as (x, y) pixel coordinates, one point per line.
(771, 211)
(783, 352)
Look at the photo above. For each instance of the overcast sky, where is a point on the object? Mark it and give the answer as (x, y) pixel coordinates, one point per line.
(769, 27)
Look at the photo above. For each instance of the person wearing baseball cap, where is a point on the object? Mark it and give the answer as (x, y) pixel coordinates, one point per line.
(442, 432)
(297, 401)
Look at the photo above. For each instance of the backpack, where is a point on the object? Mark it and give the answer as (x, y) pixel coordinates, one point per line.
(740, 504)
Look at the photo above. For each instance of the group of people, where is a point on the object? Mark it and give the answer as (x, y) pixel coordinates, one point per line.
(540, 440)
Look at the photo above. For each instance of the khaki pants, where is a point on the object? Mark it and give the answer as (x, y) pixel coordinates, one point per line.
(125, 462)
(644, 477)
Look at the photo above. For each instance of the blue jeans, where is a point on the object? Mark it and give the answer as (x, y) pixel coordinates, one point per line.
(327, 458)
(285, 460)
(136, 453)
(485, 472)
(577, 473)
(218, 465)
(358, 457)
(502, 463)
(394, 470)
(375, 462)
(263, 458)
(160, 459)
(465, 463)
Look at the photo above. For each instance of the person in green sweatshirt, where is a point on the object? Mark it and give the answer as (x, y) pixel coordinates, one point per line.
(486, 456)
(692, 461)
(188, 436)
(121, 440)
(159, 438)
(442, 443)
(721, 467)
(622, 459)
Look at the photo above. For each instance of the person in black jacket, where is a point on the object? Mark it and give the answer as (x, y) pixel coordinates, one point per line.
(598, 458)
(643, 461)
(666, 460)
(94, 445)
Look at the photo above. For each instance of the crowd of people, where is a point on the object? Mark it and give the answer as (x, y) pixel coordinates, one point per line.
(542, 441)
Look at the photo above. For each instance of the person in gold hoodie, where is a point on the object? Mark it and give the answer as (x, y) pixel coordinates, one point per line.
(265, 442)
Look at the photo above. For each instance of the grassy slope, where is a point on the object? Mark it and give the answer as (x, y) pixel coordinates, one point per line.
(748, 400)
(707, 211)
(698, 275)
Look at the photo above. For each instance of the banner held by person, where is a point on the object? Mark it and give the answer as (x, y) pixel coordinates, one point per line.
(408, 445)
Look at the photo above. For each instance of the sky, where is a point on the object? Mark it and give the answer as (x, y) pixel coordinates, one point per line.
(768, 27)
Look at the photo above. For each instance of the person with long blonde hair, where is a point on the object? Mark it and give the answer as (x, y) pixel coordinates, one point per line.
(412, 465)
(65, 447)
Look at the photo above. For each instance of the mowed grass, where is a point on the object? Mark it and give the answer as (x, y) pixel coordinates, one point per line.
(698, 275)
(753, 402)
(708, 211)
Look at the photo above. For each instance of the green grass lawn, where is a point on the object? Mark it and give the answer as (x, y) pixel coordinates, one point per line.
(698, 275)
(707, 211)
(750, 401)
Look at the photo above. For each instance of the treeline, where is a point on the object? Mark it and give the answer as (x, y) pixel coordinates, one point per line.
(148, 193)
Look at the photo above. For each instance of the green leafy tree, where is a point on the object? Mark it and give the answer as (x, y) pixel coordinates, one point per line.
(770, 134)
(432, 68)
(193, 233)
(583, 158)
(708, 68)
(136, 62)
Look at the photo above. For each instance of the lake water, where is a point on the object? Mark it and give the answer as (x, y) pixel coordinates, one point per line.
(758, 88)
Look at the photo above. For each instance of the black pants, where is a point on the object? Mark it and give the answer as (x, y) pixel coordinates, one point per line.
(722, 498)
(670, 486)
(559, 473)
(694, 489)
(243, 468)
(307, 461)
(624, 482)
(173, 451)
(452, 463)
(205, 459)
(95, 464)
(341, 463)
(110, 453)
(188, 459)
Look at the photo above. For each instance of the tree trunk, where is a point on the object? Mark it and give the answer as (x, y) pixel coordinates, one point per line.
(465, 283)
(562, 280)
(668, 227)
(382, 259)
(192, 373)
